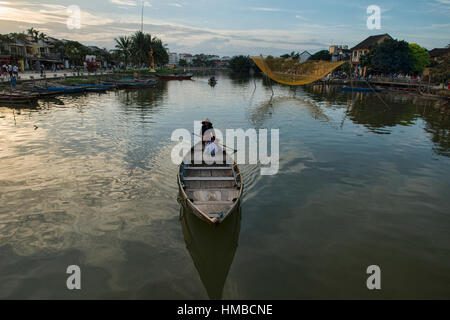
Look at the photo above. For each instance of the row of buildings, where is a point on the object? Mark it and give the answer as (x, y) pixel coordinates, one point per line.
(26, 52)
(31, 53)
(175, 58)
(343, 53)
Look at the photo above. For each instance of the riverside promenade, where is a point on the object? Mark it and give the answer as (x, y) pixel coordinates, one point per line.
(33, 76)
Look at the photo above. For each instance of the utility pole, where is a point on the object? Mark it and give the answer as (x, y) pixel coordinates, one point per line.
(142, 17)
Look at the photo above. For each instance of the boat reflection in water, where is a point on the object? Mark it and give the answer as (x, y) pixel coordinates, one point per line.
(212, 248)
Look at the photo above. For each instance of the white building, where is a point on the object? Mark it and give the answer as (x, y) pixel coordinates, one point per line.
(174, 59)
(304, 56)
(187, 57)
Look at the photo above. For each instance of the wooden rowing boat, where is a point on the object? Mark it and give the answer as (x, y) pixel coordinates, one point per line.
(211, 186)
(18, 97)
(60, 89)
(132, 83)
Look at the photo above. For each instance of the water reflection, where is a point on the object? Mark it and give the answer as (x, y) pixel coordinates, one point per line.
(212, 248)
(94, 185)
(265, 110)
(383, 112)
(438, 125)
(147, 97)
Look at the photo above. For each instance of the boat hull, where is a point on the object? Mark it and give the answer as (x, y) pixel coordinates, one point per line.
(174, 77)
(199, 214)
(212, 192)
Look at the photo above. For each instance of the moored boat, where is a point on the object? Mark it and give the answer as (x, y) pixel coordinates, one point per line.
(211, 187)
(175, 76)
(360, 89)
(18, 97)
(96, 89)
(60, 89)
(100, 86)
(132, 83)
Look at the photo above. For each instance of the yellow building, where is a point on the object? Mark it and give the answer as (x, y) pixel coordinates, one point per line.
(363, 48)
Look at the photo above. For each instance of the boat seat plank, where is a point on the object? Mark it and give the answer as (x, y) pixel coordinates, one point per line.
(209, 179)
(207, 168)
(213, 202)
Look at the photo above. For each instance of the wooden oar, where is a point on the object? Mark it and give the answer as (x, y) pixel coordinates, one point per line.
(234, 150)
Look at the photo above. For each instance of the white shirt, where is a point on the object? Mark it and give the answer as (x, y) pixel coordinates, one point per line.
(210, 147)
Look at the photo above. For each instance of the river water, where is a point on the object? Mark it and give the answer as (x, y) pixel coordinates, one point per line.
(364, 180)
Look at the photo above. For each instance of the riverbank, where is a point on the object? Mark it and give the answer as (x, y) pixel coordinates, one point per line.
(67, 74)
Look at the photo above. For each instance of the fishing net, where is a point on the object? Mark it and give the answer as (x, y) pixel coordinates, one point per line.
(293, 73)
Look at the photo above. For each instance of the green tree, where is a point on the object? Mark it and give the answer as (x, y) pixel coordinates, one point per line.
(183, 63)
(42, 36)
(123, 46)
(242, 64)
(17, 37)
(4, 41)
(160, 53)
(390, 56)
(441, 72)
(140, 47)
(293, 55)
(202, 60)
(321, 55)
(419, 56)
(32, 32)
(141, 43)
(75, 52)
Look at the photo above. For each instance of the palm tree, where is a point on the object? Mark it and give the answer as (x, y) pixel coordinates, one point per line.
(159, 52)
(140, 46)
(43, 36)
(123, 45)
(30, 32)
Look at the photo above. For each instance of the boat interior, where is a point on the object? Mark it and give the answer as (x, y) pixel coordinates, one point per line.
(212, 185)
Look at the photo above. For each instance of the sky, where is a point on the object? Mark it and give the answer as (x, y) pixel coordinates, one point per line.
(233, 27)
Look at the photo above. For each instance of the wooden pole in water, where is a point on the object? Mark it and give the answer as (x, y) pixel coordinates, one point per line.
(142, 17)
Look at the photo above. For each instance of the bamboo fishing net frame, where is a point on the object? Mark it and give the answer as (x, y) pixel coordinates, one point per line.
(293, 73)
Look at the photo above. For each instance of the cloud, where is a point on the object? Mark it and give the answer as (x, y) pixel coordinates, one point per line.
(132, 3)
(266, 9)
(101, 29)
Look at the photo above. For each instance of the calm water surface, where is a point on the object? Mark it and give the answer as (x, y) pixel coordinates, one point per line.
(87, 180)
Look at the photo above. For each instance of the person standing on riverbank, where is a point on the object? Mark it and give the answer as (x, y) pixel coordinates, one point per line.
(13, 81)
(10, 71)
(16, 71)
(4, 72)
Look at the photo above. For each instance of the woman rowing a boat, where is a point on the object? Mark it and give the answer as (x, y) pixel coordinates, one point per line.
(207, 130)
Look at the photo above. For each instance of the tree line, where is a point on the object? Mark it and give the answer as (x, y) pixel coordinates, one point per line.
(128, 49)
